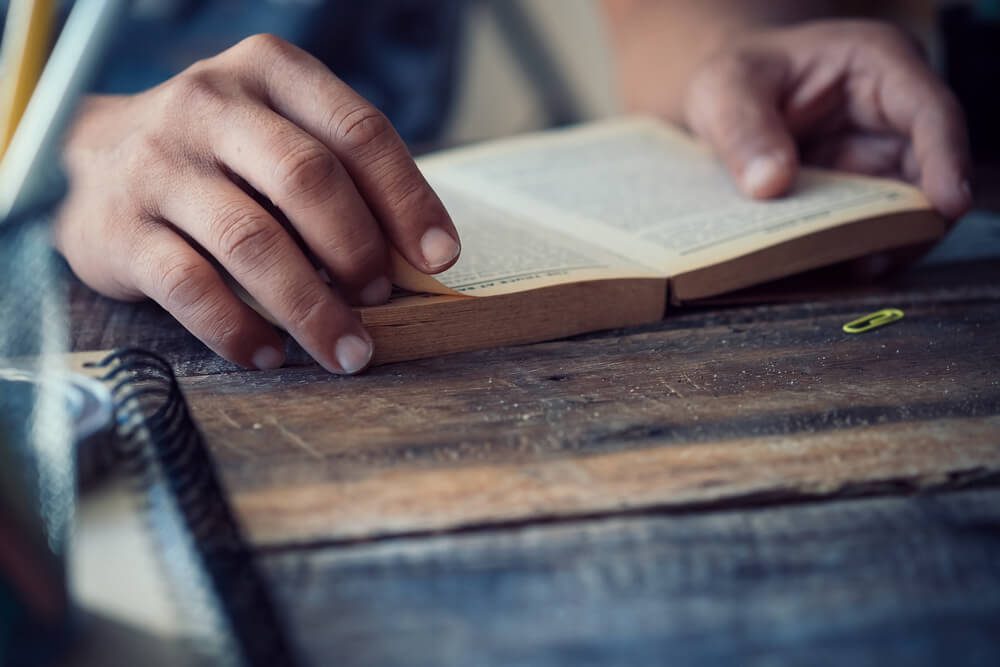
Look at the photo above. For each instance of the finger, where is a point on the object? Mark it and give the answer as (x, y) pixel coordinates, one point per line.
(260, 255)
(874, 154)
(733, 105)
(407, 208)
(910, 166)
(317, 195)
(172, 273)
(919, 106)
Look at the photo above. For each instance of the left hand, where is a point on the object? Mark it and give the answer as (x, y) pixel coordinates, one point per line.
(851, 95)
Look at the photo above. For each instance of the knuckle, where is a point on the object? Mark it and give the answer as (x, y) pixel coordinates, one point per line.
(182, 284)
(263, 45)
(306, 172)
(359, 255)
(260, 53)
(306, 305)
(361, 127)
(148, 155)
(222, 328)
(193, 89)
(152, 145)
(184, 287)
(412, 195)
(245, 238)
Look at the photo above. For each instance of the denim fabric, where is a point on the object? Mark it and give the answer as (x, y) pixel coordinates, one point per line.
(400, 54)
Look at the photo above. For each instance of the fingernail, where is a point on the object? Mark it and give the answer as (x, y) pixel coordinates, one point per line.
(353, 353)
(268, 358)
(438, 247)
(376, 292)
(760, 174)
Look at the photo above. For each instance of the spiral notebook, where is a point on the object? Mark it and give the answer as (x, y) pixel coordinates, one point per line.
(226, 607)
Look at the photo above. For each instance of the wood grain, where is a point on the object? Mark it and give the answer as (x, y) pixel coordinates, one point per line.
(770, 402)
(604, 493)
(712, 406)
(885, 581)
(710, 474)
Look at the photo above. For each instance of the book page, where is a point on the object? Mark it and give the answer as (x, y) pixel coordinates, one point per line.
(504, 251)
(647, 192)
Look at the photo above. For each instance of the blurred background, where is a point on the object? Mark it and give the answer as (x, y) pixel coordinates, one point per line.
(502, 93)
(498, 96)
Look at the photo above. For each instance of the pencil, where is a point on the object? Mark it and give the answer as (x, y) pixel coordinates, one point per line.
(28, 170)
(25, 46)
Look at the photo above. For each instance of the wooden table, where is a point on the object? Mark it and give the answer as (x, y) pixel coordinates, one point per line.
(740, 482)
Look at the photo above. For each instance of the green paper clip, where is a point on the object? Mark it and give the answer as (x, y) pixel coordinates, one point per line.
(873, 320)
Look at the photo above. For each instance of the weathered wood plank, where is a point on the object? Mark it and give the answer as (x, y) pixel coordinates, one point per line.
(785, 405)
(98, 323)
(912, 581)
(401, 500)
(708, 406)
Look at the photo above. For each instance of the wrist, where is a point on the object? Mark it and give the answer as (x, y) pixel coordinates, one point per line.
(655, 67)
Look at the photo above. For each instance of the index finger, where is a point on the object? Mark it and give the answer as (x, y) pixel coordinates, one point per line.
(380, 164)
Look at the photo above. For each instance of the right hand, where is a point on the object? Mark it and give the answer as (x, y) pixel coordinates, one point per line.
(165, 180)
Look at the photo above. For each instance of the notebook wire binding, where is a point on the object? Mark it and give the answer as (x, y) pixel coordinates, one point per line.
(223, 602)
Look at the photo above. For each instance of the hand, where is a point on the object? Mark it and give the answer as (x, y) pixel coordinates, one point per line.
(852, 95)
(261, 161)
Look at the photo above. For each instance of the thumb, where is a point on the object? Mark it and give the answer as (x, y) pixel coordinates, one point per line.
(733, 106)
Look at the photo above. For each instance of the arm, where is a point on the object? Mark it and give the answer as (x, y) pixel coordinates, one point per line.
(665, 40)
(767, 88)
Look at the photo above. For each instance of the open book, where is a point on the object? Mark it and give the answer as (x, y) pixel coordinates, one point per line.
(600, 226)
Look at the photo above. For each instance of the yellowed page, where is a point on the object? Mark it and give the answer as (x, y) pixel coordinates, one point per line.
(504, 251)
(645, 191)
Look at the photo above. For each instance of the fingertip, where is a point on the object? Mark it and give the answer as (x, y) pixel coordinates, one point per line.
(959, 203)
(256, 345)
(376, 292)
(767, 176)
(268, 357)
(353, 353)
(951, 197)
